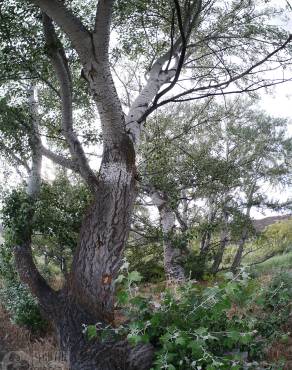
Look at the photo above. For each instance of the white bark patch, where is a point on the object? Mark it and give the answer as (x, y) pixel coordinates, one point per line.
(115, 172)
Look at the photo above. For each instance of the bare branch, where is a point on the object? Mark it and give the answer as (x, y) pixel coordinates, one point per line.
(226, 83)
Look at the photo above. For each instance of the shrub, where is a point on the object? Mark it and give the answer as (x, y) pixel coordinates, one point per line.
(191, 327)
(15, 297)
(22, 306)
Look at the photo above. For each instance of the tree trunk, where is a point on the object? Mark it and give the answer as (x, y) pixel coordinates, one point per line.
(172, 256)
(82, 354)
(237, 259)
(238, 256)
(88, 295)
(219, 255)
(222, 246)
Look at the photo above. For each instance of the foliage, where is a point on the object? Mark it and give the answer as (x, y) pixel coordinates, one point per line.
(57, 217)
(22, 306)
(16, 297)
(146, 259)
(276, 300)
(219, 326)
(275, 264)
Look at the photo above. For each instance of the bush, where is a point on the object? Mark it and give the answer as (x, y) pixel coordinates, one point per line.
(15, 297)
(191, 326)
(148, 261)
(276, 302)
(22, 306)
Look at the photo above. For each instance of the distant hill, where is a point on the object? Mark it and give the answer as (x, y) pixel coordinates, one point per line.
(261, 224)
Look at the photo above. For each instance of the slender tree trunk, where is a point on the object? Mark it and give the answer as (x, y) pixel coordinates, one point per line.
(238, 256)
(219, 255)
(205, 247)
(172, 256)
(222, 246)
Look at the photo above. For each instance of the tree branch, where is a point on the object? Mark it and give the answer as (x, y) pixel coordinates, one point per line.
(15, 158)
(71, 25)
(25, 264)
(61, 67)
(60, 160)
(158, 77)
(223, 84)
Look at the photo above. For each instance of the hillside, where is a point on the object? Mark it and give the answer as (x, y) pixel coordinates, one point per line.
(261, 224)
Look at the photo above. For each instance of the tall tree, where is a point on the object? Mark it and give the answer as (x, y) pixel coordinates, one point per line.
(198, 40)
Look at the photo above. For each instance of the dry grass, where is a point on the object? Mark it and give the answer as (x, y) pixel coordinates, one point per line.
(281, 351)
(19, 346)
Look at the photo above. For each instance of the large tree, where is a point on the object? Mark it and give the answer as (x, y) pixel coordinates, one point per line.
(218, 46)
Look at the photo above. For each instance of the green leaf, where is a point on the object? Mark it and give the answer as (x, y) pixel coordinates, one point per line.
(135, 276)
(134, 339)
(234, 335)
(91, 332)
(122, 297)
(180, 341)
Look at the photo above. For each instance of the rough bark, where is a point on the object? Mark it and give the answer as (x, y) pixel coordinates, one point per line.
(88, 296)
(172, 256)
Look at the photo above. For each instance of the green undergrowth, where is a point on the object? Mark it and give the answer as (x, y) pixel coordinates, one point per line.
(275, 264)
(227, 325)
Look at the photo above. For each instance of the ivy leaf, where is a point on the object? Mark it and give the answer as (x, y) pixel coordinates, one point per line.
(180, 341)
